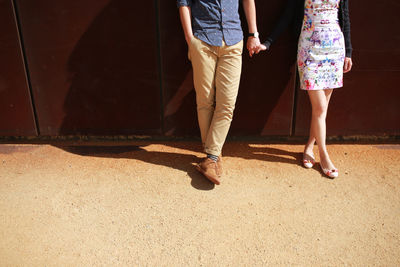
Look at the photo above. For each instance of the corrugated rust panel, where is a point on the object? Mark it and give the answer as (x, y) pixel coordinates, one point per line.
(93, 65)
(264, 105)
(16, 115)
(369, 103)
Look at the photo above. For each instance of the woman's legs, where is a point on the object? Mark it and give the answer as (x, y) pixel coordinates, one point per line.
(319, 102)
(309, 147)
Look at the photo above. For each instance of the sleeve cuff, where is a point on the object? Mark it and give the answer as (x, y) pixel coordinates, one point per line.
(349, 52)
(267, 43)
(180, 3)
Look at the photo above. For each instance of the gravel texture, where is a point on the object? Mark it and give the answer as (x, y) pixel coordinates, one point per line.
(144, 204)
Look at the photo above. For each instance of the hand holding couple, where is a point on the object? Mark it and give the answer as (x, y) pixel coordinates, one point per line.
(254, 46)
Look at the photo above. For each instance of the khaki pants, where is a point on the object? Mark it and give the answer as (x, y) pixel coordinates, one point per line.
(216, 74)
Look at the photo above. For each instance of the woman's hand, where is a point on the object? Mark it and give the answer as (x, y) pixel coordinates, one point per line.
(348, 64)
(261, 47)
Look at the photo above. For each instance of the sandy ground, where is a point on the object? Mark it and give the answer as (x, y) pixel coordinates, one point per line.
(144, 204)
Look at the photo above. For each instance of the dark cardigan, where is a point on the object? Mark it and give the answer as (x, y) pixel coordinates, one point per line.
(294, 14)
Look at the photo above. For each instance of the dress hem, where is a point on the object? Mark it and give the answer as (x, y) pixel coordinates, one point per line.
(315, 89)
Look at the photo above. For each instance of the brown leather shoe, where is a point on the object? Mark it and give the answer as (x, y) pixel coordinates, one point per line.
(210, 169)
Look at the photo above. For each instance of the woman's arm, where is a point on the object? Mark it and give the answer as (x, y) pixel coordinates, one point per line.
(283, 22)
(346, 27)
(348, 63)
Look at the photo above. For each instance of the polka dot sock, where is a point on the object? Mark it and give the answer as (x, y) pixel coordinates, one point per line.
(212, 157)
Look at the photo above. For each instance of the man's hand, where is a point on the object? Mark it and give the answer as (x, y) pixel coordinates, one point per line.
(348, 64)
(254, 46)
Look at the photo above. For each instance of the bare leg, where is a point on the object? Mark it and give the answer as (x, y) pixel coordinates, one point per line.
(319, 102)
(309, 147)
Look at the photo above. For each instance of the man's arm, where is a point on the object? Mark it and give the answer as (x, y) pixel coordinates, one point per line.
(186, 20)
(253, 44)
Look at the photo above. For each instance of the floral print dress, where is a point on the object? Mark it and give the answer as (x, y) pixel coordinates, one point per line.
(321, 49)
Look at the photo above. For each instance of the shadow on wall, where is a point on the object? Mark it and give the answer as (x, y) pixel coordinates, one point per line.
(267, 81)
(179, 99)
(265, 100)
(115, 81)
(114, 75)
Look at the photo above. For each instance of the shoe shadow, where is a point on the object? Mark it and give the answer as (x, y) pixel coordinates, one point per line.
(178, 161)
(262, 153)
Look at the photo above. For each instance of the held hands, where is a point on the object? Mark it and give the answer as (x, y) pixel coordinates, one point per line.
(348, 64)
(254, 46)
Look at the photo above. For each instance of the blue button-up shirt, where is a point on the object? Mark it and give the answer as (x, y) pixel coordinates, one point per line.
(215, 20)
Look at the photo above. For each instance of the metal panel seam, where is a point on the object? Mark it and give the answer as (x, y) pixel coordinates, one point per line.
(159, 62)
(25, 63)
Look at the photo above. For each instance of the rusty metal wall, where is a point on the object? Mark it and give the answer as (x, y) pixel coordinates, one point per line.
(16, 114)
(93, 65)
(108, 67)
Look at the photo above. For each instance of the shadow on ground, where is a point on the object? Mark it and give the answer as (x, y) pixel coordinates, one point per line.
(177, 161)
(180, 161)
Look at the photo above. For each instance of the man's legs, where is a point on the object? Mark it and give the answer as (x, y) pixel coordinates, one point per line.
(227, 79)
(216, 72)
(204, 62)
